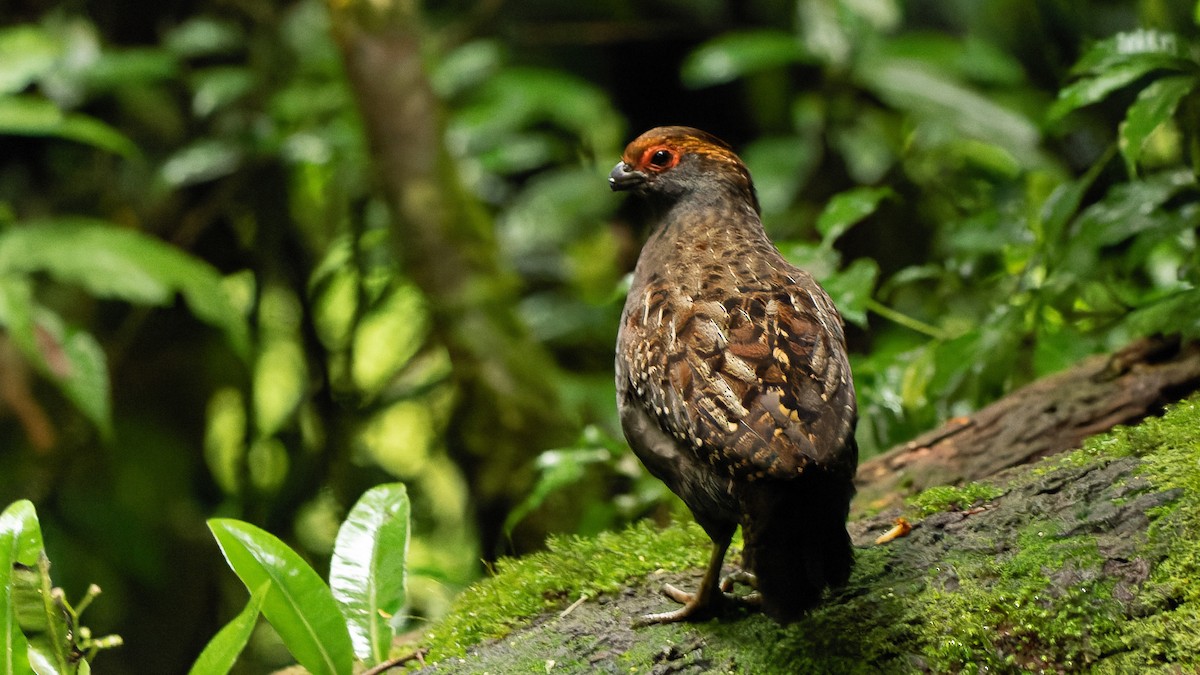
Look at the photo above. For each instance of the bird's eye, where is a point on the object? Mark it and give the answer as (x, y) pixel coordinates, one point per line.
(661, 158)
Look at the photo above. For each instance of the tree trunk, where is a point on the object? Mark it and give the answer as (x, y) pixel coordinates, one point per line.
(507, 408)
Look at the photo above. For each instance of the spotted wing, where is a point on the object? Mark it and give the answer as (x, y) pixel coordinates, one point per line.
(758, 384)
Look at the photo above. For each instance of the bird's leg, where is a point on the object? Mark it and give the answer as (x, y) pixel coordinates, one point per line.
(701, 604)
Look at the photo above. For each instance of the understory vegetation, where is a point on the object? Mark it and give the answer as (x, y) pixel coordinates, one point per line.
(212, 313)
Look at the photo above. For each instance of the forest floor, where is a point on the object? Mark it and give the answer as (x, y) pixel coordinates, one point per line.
(1080, 562)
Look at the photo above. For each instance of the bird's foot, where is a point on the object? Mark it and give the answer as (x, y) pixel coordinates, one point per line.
(695, 607)
(752, 599)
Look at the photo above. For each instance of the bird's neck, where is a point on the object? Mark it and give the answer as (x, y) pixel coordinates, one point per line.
(714, 219)
(699, 237)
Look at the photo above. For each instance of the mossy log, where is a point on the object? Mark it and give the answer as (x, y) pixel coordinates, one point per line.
(1048, 416)
(1086, 561)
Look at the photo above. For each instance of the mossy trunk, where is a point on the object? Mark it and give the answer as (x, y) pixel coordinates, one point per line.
(1081, 562)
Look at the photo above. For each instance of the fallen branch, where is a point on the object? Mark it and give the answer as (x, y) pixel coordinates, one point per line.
(1053, 414)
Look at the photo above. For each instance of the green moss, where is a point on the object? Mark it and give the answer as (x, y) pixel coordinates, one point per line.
(570, 567)
(1170, 448)
(949, 497)
(958, 594)
(1000, 613)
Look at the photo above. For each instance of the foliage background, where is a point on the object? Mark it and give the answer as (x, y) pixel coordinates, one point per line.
(990, 190)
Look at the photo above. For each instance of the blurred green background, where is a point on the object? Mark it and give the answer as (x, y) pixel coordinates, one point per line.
(215, 304)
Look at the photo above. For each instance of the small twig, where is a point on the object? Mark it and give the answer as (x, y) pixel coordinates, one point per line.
(418, 655)
(573, 605)
(901, 529)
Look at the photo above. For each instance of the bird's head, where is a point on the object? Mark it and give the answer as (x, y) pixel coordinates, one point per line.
(668, 163)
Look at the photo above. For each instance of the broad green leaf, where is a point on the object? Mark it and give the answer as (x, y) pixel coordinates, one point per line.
(298, 603)
(848, 208)
(781, 165)
(77, 364)
(367, 572)
(32, 116)
(41, 619)
(17, 309)
(851, 289)
(20, 518)
(1173, 314)
(466, 66)
(556, 469)
(1154, 105)
(215, 88)
(20, 542)
(1129, 208)
(519, 101)
(27, 53)
(42, 662)
(970, 58)
(735, 55)
(71, 358)
(1145, 45)
(934, 97)
(129, 68)
(111, 262)
(1091, 89)
(223, 649)
(201, 161)
(205, 37)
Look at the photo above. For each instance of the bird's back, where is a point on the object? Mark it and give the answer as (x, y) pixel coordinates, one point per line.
(734, 388)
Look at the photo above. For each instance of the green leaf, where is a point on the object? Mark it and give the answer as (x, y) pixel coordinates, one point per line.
(851, 289)
(215, 88)
(557, 469)
(130, 68)
(848, 208)
(367, 572)
(20, 518)
(223, 649)
(32, 116)
(1089, 90)
(1143, 45)
(933, 97)
(76, 363)
(20, 542)
(780, 166)
(28, 54)
(70, 358)
(1154, 105)
(298, 603)
(465, 67)
(40, 616)
(735, 55)
(201, 161)
(1175, 313)
(205, 37)
(1129, 208)
(111, 262)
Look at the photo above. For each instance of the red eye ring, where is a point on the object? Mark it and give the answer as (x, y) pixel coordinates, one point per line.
(659, 158)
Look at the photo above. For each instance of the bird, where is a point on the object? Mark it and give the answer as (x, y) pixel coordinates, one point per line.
(733, 381)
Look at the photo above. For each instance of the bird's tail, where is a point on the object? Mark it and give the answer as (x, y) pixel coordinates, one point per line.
(796, 542)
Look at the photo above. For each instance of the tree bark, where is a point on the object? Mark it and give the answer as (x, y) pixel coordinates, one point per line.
(507, 410)
(1048, 416)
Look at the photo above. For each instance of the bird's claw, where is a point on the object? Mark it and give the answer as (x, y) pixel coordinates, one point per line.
(752, 599)
(738, 577)
(694, 607)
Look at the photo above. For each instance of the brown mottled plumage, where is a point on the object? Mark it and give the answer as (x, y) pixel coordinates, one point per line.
(732, 379)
